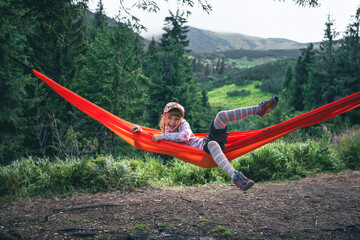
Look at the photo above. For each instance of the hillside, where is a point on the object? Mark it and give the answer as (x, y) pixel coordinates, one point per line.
(207, 41)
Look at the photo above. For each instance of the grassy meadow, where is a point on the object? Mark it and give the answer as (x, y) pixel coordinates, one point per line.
(218, 97)
(246, 63)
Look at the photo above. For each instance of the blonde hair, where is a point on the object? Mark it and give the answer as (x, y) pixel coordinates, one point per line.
(173, 112)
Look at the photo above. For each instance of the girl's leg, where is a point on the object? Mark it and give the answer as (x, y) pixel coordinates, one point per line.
(236, 114)
(220, 159)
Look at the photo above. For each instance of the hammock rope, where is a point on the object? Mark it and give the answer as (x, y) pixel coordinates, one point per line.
(239, 143)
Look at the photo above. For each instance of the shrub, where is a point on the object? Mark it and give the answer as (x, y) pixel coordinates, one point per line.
(272, 162)
(347, 148)
(280, 161)
(34, 177)
(275, 161)
(238, 93)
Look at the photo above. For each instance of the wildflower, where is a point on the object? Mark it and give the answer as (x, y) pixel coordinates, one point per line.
(324, 127)
(335, 137)
(347, 130)
(329, 133)
(309, 139)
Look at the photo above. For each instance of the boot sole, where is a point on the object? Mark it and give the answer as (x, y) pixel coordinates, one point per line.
(266, 113)
(248, 185)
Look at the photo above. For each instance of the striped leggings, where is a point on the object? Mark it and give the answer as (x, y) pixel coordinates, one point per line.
(220, 123)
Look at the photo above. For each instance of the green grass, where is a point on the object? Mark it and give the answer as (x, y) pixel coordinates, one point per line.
(246, 63)
(175, 217)
(206, 220)
(223, 230)
(218, 97)
(141, 226)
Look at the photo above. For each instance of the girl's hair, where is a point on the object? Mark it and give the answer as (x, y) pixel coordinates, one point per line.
(173, 112)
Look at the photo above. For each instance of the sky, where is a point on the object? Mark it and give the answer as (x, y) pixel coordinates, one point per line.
(258, 18)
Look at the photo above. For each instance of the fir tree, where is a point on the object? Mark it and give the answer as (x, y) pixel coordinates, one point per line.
(173, 79)
(112, 79)
(289, 77)
(54, 46)
(153, 69)
(327, 53)
(12, 88)
(296, 92)
(100, 17)
(175, 32)
(349, 54)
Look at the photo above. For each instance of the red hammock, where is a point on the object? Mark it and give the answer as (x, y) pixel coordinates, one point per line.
(238, 143)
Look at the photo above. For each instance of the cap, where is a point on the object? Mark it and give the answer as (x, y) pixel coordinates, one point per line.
(172, 105)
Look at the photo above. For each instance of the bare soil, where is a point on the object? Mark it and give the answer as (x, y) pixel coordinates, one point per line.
(325, 206)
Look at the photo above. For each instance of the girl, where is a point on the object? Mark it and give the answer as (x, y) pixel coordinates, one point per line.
(176, 129)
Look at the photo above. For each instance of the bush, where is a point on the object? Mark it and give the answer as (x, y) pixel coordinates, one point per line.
(35, 177)
(275, 161)
(272, 85)
(238, 93)
(281, 161)
(347, 148)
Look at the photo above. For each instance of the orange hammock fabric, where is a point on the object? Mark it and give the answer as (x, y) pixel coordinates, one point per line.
(238, 143)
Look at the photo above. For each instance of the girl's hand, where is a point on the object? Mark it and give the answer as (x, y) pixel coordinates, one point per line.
(135, 128)
(156, 137)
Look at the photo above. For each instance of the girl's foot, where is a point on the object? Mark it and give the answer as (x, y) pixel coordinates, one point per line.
(242, 182)
(266, 106)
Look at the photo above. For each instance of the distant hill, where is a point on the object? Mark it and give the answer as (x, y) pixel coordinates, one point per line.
(207, 41)
(249, 54)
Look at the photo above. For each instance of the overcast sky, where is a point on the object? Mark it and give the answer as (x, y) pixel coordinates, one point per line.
(259, 18)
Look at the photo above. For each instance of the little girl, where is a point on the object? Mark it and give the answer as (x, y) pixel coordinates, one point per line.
(176, 129)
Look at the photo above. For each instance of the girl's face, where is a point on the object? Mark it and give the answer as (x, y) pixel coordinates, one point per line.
(172, 122)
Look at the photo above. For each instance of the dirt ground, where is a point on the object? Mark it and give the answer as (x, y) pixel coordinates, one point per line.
(325, 206)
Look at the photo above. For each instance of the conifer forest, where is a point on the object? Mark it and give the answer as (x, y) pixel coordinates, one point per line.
(108, 63)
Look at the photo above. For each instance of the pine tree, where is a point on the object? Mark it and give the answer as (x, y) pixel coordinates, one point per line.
(112, 79)
(348, 63)
(153, 69)
(20, 22)
(327, 53)
(98, 23)
(349, 54)
(297, 89)
(221, 69)
(100, 17)
(12, 86)
(289, 77)
(172, 78)
(217, 68)
(178, 78)
(207, 70)
(175, 32)
(55, 48)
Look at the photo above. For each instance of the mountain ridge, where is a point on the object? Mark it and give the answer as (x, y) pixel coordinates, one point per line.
(207, 41)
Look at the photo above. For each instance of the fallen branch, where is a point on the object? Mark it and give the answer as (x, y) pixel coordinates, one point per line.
(87, 207)
(342, 229)
(77, 229)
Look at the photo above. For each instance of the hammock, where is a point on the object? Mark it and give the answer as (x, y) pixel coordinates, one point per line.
(239, 143)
